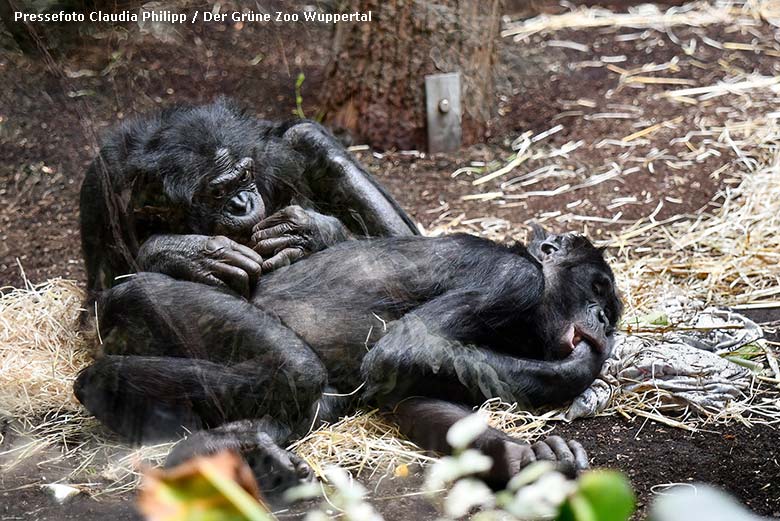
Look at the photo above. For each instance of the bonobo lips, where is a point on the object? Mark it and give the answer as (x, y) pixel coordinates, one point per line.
(575, 334)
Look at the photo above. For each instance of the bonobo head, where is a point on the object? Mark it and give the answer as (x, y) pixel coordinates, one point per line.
(207, 161)
(227, 201)
(580, 302)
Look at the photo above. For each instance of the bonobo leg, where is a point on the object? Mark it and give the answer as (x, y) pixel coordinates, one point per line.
(194, 357)
(341, 187)
(426, 422)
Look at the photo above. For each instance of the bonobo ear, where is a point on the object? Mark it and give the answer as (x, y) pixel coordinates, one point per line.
(538, 233)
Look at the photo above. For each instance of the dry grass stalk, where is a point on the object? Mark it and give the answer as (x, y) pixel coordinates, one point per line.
(697, 14)
(362, 441)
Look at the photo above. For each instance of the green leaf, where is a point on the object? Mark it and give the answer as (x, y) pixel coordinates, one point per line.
(299, 96)
(207, 488)
(577, 508)
(603, 495)
(748, 351)
(756, 367)
(657, 318)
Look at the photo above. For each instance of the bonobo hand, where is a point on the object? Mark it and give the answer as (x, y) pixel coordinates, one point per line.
(292, 233)
(217, 261)
(512, 456)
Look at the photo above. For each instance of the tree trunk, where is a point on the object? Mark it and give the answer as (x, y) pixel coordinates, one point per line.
(375, 84)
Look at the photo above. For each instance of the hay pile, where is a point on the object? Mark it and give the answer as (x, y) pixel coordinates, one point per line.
(726, 255)
(40, 348)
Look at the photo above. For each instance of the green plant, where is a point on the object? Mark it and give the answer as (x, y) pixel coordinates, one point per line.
(299, 96)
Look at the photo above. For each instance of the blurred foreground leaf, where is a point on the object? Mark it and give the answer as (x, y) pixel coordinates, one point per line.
(218, 487)
(602, 495)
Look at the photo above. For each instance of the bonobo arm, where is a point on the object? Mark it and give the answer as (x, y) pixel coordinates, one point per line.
(431, 350)
(341, 187)
(217, 261)
(334, 183)
(426, 421)
(415, 359)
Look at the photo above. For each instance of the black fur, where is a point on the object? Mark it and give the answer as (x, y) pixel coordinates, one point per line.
(151, 181)
(450, 320)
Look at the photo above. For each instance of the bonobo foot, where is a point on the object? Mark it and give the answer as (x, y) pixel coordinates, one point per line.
(275, 469)
(511, 456)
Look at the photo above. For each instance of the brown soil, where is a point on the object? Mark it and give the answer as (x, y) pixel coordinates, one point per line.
(51, 113)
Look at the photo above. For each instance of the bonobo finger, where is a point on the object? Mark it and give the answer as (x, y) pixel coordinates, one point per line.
(217, 244)
(302, 469)
(236, 278)
(211, 280)
(252, 266)
(283, 258)
(562, 451)
(269, 247)
(582, 351)
(580, 455)
(274, 231)
(518, 456)
(543, 451)
(248, 252)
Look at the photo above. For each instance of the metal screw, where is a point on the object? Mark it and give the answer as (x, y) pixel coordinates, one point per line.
(444, 106)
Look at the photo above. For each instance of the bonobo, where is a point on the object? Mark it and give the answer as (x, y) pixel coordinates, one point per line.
(423, 327)
(212, 195)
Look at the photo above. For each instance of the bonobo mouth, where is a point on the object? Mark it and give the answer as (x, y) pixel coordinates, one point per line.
(575, 334)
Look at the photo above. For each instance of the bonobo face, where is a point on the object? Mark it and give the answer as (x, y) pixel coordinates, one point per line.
(228, 202)
(580, 302)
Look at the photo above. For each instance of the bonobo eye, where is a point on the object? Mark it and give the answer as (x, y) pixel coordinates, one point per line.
(246, 177)
(217, 192)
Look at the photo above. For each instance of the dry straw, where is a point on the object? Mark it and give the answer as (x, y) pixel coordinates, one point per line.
(40, 348)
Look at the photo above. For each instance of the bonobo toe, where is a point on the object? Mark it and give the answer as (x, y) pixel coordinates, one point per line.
(509, 458)
(276, 469)
(569, 458)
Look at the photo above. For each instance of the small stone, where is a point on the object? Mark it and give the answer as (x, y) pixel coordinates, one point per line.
(60, 492)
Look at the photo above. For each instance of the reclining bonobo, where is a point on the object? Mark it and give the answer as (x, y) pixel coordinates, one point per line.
(423, 327)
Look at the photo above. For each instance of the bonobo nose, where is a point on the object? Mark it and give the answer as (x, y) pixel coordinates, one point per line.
(239, 204)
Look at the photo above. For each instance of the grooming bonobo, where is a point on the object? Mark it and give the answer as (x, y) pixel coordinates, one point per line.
(212, 195)
(423, 327)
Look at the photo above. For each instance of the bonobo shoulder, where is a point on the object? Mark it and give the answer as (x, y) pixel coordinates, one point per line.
(509, 267)
(516, 250)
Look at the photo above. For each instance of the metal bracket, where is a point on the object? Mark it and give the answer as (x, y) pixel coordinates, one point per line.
(442, 106)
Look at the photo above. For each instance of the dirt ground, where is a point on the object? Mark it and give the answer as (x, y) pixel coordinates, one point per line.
(51, 114)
